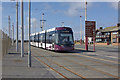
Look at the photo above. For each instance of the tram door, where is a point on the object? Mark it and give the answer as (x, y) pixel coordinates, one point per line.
(53, 41)
(41, 40)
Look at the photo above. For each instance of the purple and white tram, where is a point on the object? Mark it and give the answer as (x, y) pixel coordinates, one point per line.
(57, 39)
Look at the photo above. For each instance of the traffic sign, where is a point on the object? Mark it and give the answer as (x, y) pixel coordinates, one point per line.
(90, 27)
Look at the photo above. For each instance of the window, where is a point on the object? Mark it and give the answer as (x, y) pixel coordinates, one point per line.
(114, 40)
(114, 33)
(66, 38)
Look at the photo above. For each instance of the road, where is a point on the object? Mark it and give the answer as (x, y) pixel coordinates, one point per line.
(113, 49)
(79, 63)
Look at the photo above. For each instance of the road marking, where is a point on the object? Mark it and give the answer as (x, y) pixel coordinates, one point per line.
(50, 67)
(84, 65)
(102, 55)
(92, 68)
(112, 57)
(64, 68)
(86, 60)
(96, 58)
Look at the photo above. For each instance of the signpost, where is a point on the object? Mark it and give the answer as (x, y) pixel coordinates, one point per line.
(90, 27)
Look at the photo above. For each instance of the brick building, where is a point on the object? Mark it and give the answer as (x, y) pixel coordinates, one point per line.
(108, 35)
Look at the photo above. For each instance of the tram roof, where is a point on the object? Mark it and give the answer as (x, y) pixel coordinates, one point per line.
(49, 30)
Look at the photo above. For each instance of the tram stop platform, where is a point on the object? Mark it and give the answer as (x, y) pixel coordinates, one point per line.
(15, 66)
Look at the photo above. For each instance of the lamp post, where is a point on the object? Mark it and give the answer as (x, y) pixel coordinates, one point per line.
(29, 48)
(62, 24)
(13, 34)
(9, 25)
(81, 30)
(86, 38)
(17, 25)
(22, 31)
(42, 21)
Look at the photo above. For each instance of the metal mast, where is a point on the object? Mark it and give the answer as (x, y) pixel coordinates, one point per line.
(81, 30)
(29, 48)
(86, 38)
(42, 21)
(13, 34)
(9, 25)
(17, 25)
(22, 33)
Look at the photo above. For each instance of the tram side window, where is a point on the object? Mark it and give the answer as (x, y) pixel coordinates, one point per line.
(39, 37)
(56, 38)
(50, 38)
(47, 38)
(53, 38)
(43, 38)
(32, 38)
(36, 38)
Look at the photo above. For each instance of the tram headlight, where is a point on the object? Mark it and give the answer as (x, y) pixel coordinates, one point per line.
(62, 45)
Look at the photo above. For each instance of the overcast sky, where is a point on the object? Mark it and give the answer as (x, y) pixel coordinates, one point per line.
(104, 13)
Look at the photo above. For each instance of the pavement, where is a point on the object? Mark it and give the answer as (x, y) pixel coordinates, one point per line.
(74, 65)
(14, 66)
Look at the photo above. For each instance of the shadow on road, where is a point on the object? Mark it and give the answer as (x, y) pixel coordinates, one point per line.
(18, 53)
(74, 51)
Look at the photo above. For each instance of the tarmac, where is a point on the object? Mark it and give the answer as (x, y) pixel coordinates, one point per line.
(50, 65)
(15, 66)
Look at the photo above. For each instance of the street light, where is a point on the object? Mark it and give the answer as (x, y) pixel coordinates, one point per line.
(22, 31)
(86, 38)
(16, 24)
(81, 30)
(42, 21)
(29, 48)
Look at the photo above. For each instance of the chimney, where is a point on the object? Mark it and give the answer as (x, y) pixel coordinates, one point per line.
(101, 27)
(118, 25)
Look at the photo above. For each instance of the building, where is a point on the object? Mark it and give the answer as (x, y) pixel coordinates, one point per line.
(108, 35)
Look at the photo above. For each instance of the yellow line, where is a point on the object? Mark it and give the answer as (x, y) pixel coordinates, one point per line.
(92, 68)
(51, 68)
(96, 58)
(65, 68)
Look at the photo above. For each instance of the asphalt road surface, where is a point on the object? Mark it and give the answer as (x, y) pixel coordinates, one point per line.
(76, 65)
(80, 63)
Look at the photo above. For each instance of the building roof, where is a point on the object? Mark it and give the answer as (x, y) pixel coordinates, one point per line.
(110, 29)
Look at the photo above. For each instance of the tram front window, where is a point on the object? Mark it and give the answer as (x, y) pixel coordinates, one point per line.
(66, 38)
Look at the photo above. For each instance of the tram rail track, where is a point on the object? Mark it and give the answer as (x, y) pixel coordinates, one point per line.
(92, 68)
(82, 77)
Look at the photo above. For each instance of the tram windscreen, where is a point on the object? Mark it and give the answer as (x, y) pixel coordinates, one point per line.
(66, 38)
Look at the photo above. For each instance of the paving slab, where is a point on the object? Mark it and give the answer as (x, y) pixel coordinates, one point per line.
(15, 66)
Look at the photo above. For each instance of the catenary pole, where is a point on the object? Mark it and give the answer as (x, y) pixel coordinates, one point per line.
(9, 25)
(29, 47)
(22, 31)
(81, 30)
(17, 25)
(13, 34)
(86, 38)
(42, 21)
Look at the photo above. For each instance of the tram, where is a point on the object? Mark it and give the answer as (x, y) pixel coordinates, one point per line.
(57, 39)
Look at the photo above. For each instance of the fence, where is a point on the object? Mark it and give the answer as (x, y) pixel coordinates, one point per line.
(5, 43)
